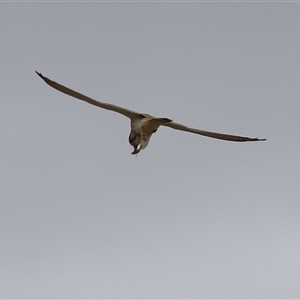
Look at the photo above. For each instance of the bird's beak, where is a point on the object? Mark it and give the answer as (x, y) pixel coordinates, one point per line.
(135, 151)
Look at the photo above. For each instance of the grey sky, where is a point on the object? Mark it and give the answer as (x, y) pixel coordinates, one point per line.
(189, 217)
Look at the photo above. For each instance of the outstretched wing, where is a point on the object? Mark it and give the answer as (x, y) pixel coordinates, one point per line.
(126, 112)
(215, 135)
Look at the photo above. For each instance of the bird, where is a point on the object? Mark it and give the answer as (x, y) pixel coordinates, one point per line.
(144, 125)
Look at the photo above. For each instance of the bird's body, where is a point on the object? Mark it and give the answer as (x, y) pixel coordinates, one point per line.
(142, 128)
(144, 125)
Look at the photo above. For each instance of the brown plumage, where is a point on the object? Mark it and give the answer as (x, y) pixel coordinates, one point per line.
(144, 125)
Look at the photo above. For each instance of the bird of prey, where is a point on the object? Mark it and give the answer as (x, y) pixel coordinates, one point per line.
(144, 125)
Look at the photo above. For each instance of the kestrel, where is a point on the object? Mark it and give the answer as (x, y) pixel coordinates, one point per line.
(143, 125)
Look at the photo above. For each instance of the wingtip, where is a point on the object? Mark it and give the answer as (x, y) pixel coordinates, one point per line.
(40, 74)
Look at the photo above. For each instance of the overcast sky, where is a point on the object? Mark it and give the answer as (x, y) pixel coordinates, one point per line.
(189, 217)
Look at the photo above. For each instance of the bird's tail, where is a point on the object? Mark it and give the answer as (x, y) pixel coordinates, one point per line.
(154, 123)
(162, 120)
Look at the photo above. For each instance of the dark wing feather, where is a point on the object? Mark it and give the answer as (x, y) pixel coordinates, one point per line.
(126, 112)
(221, 136)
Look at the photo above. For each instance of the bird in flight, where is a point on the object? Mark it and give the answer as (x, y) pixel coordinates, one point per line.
(143, 125)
